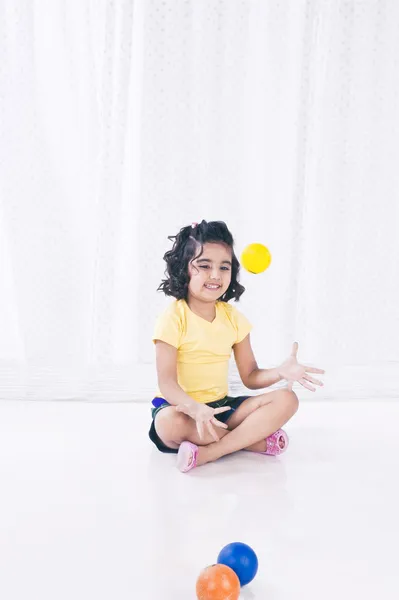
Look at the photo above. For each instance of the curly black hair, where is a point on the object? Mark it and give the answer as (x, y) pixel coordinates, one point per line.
(185, 249)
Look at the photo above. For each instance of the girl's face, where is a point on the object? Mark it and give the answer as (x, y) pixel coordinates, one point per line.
(210, 273)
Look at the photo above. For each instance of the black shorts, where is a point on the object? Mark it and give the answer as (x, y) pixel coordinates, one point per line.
(160, 403)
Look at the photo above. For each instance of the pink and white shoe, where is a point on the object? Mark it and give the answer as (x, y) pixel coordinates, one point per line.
(276, 443)
(187, 456)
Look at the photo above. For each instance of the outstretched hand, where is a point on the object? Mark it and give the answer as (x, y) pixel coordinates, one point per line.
(293, 371)
(204, 416)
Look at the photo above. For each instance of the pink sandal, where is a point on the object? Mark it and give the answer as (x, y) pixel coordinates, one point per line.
(187, 456)
(273, 447)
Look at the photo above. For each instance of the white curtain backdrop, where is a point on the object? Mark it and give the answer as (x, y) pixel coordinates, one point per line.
(121, 121)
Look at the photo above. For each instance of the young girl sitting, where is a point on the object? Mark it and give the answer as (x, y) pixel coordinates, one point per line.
(193, 415)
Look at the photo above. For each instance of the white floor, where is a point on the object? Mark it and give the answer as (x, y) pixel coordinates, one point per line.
(89, 510)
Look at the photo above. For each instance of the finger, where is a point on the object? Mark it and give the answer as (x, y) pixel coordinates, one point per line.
(219, 423)
(312, 380)
(217, 411)
(200, 429)
(306, 385)
(212, 431)
(314, 370)
(294, 349)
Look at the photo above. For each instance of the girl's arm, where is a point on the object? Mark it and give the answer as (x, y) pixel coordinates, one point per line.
(252, 377)
(166, 360)
(203, 415)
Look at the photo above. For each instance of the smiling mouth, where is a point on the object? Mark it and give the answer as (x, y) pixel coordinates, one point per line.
(212, 287)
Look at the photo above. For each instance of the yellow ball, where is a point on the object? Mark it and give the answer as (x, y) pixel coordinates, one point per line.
(255, 258)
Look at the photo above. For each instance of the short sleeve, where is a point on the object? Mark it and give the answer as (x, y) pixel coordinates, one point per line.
(243, 326)
(168, 328)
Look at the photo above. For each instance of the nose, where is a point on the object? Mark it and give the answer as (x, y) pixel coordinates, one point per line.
(215, 274)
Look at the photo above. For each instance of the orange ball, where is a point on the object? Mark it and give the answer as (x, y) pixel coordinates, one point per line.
(218, 582)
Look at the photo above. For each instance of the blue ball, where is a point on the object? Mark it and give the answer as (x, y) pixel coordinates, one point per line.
(242, 559)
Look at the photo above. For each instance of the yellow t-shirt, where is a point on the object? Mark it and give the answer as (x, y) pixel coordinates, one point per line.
(203, 348)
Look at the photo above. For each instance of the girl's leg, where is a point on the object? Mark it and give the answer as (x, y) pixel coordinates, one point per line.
(249, 406)
(174, 428)
(272, 412)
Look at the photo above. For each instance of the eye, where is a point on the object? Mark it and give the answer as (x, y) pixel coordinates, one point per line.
(203, 266)
(225, 269)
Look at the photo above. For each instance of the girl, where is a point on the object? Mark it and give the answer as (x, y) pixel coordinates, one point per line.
(193, 416)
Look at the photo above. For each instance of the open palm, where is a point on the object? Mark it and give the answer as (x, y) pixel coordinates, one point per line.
(292, 371)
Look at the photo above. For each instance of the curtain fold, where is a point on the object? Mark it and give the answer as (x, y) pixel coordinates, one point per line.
(121, 122)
